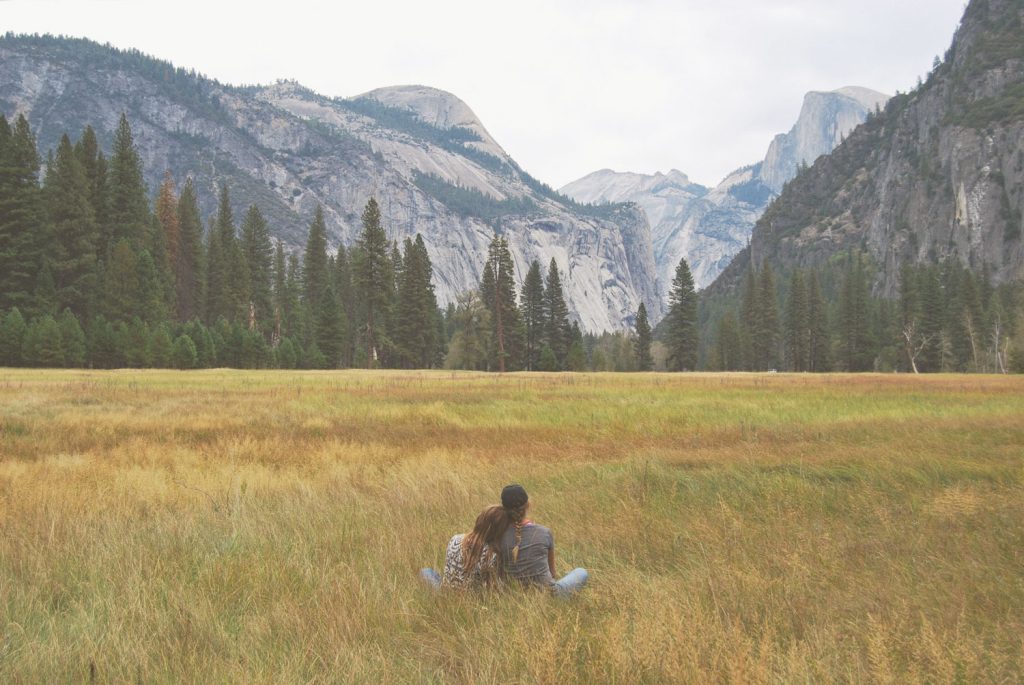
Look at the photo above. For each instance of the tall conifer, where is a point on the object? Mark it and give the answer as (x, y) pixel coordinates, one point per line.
(818, 344)
(188, 269)
(681, 334)
(315, 275)
(374, 280)
(765, 340)
(497, 290)
(415, 326)
(127, 207)
(533, 306)
(21, 237)
(556, 315)
(642, 344)
(797, 324)
(73, 231)
(258, 252)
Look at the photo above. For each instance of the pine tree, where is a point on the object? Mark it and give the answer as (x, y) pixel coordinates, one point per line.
(127, 207)
(188, 268)
(215, 286)
(315, 275)
(965, 321)
(910, 336)
(346, 296)
(286, 355)
(644, 361)
(160, 347)
(728, 349)
(151, 300)
(374, 280)
(818, 347)
(576, 359)
(42, 344)
(681, 321)
(21, 240)
(258, 252)
(121, 284)
(797, 324)
(12, 336)
(206, 350)
(548, 361)
(73, 231)
(556, 315)
(498, 292)
(72, 340)
(292, 309)
(766, 335)
(330, 328)
(533, 306)
(94, 166)
(170, 224)
(470, 343)
(183, 353)
(930, 292)
(235, 300)
(280, 298)
(102, 344)
(45, 295)
(163, 278)
(415, 330)
(749, 320)
(852, 323)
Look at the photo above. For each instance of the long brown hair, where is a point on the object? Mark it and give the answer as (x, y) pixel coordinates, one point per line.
(487, 531)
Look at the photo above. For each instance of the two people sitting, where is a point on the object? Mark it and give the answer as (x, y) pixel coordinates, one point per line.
(505, 545)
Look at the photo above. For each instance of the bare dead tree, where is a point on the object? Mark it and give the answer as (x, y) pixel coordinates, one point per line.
(912, 344)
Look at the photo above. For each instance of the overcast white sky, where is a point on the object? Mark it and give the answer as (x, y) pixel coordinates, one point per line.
(565, 86)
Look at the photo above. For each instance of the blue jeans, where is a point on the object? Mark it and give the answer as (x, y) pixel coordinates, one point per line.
(571, 583)
(431, 577)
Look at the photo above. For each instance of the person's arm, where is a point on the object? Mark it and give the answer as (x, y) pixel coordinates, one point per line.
(551, 555)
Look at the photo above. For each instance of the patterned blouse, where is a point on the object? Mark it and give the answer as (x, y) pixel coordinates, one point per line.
(454, 574)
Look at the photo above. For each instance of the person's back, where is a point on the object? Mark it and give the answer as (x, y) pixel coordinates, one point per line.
(531, 564)
(527, 551)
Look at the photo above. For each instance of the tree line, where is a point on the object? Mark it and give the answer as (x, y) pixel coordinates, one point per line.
(947, 318)
(94, 274)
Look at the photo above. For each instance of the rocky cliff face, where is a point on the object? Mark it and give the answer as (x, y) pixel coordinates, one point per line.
(421, 152)
(708, 226)
(825, 118)
(938, 174)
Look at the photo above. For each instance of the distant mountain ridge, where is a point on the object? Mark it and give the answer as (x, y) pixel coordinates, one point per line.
(421, 152)
(938, 174)
(708, 226)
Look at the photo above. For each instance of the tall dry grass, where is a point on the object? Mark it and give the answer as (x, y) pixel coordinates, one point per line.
(267, 527)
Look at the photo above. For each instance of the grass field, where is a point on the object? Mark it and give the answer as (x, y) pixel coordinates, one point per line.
(267, 527)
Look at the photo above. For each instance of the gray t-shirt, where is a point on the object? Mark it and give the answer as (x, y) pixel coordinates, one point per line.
(532, 563)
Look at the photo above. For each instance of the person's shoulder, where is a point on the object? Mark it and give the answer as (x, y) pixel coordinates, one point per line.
(456, 540)
(540, 530)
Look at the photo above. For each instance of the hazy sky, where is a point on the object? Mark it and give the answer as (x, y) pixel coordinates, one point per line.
(566, 86)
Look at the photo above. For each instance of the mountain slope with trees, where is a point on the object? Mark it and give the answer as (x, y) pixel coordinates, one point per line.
(421, 152)
(921, 205)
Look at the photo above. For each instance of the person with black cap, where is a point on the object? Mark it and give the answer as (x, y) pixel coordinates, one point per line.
(527, 550)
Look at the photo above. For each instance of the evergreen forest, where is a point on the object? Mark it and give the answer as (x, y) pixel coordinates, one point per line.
(95, 272)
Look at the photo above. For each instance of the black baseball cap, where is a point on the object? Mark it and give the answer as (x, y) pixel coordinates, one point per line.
(513, 496)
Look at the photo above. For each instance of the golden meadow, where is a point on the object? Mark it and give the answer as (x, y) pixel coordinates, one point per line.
(229, 526)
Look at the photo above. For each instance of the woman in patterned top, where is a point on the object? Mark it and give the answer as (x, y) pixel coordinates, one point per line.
(470, 560)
